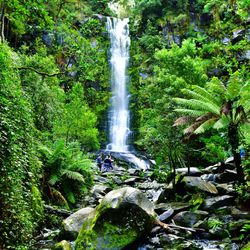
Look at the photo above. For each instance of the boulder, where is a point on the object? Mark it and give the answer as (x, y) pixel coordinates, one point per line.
(73, 224)
(188, 218)
(227, 176)
(166, 215)
(192, 171)
(198, 183)
(217, 202)
(123, 216)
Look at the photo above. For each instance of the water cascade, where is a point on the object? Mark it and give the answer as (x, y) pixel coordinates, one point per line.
(119, 119)
(119, 113)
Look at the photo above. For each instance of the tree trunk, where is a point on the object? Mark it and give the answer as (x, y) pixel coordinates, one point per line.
(233, 135)
(2, 25)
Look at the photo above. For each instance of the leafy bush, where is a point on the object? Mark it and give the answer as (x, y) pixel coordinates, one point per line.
(67, 172)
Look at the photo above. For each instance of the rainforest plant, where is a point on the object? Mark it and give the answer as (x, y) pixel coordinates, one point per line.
(217, 106)
(67, 172)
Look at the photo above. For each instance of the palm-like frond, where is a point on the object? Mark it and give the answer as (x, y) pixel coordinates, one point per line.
(192, 128)
(72, 175)
(190, 112)
(221, 123)
(201, 94)
(205, 126)
(199, 105)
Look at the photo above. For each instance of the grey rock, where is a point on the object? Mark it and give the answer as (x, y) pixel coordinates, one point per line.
(166, 215)
(217, 202)
(198, 183)
(188, 218)
(125, 213)
(192, 171)
(73, 224)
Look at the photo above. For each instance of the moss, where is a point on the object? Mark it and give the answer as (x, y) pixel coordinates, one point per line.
(63, 245)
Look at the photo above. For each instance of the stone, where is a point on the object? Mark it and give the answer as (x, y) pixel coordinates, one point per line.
(192, 171)
(166, 215)
(217, 202)
(176, 206)
(73, 224)
(99, 189)
(123, 216)
(225, 188)
(63, 245)
(239, 214)
(198, 183)
(188, 218)
(150, 185)
(227, 176)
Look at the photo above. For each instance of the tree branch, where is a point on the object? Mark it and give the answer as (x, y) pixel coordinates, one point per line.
(39, 72)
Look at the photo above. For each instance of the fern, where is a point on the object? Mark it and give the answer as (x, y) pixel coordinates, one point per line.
(190, 112)
(72, 175)
(205, 126)
(199, 105)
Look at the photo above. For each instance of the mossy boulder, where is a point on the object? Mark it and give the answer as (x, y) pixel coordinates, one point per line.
(73, 224)
(123, 216)
(63, 245)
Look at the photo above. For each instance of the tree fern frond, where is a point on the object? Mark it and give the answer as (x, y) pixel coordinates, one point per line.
(201, 94)
(192, 128)
(205, 117)
(221, 123)
(190, 112)
(82, 164)
(199, 105)
(72, 175)
(206, 94)
(53, 179)
(57, 195)
(183, 120)
(205, 126)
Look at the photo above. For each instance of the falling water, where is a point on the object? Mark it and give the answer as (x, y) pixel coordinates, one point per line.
(119, 114)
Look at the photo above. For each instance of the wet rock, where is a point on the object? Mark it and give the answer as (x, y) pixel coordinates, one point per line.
(225, 188)
(99, 190)
(123, 216)
(239, 214)
(150, 185)
(192, 171)
(131, 181)
(209, 177)
(199, 184)
(227, 176)
(73, 224)
(176, 206)
(217, 202)
(188, 218)
(166, 215)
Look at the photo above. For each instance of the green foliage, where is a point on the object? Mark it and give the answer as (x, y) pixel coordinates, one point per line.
(213, 223)
(67, 172)
(77, 122)
(215, 148)
(21, 206)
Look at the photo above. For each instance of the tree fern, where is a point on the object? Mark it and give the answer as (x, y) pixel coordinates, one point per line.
(205, 126)
(191, 112)
(198, 105)
(72, 175)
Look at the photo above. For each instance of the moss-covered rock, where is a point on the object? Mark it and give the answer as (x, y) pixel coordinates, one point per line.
(123, 216)
(63, 245)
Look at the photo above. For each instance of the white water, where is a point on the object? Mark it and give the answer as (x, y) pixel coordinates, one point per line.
(119, 114)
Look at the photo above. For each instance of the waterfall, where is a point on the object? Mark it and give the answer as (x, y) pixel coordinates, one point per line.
(119, 113)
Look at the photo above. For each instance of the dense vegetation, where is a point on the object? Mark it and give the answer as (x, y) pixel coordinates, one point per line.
(54, 92)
